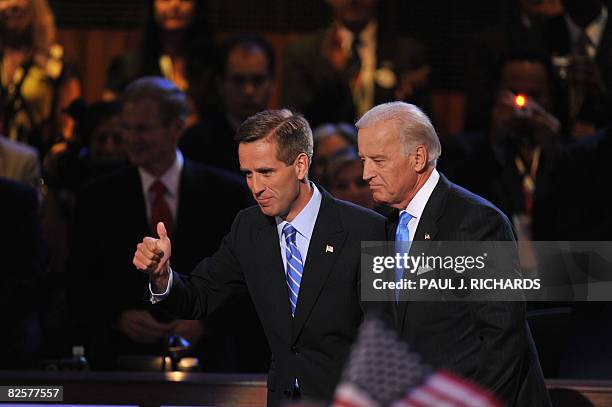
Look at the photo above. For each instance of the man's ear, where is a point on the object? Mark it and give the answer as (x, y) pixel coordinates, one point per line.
(301, 164)
(420, 158)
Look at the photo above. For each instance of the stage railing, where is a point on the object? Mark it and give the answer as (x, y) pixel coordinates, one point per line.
(203, 389)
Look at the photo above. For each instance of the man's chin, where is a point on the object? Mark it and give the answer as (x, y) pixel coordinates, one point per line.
(268, 210)
(379, 198)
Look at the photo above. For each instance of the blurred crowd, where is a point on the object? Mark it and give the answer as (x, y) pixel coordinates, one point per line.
(82, 182)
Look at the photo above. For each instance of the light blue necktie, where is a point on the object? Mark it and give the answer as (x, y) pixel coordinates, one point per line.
(402, 245)
(295, 265)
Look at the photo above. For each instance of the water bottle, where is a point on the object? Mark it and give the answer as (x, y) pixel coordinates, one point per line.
(78, 358)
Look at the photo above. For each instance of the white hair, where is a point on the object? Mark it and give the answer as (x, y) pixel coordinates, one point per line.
(414, 127)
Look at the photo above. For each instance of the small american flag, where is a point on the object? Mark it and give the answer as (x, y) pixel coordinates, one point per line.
(382, 371)
(445, 389)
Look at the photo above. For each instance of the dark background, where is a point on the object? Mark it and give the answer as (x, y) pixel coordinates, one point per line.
(95, 31)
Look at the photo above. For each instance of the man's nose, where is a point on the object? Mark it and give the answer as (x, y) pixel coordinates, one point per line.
(257, 185)
(367, 171)
(248, 88)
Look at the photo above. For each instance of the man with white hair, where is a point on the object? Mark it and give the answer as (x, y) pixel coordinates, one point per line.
(488, 342)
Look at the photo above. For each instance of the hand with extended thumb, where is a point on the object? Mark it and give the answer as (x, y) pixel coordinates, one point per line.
(152, 257)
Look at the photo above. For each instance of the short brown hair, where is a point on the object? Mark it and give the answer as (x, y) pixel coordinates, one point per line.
(291, 130)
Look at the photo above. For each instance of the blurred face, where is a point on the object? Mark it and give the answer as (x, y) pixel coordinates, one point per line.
(390, 173)
(526, 77)
(15, 15)
(324, 152)
(354, 14)
(173, 15)
(508, 125)
(247, 86)
(148, 140)
(274, 184)
(107, 139)
(350, 186)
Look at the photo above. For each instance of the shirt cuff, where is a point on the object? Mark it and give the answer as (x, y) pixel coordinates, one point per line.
(155, 298)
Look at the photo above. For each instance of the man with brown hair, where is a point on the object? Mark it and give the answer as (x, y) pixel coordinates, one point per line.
(297, 256)
(114, 212)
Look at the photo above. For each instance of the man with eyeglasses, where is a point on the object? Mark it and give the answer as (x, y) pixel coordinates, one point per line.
(244, 80)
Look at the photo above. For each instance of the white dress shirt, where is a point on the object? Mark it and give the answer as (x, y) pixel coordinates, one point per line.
(304, 224)
(171, 180)
(417, 204)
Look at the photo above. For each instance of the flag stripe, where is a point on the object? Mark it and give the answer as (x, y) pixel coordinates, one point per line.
(446, 389)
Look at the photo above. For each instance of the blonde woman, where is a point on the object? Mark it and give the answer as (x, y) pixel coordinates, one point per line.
(35, 84)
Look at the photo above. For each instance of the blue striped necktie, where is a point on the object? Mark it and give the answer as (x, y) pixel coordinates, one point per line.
(402, 244)
(295, 265)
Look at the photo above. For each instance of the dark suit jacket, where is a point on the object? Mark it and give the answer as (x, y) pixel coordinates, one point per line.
(311, 86)
(22, 268)
(489, 343)
(471, 161)
(588, 170)
(112, 220)
(584, 215)
(211, 142)
(490, 47)
(596, 108)
(314, 345)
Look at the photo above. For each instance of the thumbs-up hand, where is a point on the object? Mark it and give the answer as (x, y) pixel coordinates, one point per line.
(152, 257)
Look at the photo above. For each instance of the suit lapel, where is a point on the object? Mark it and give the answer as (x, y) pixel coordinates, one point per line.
(325, 246)
(136, 209)
(185, 186)
(187, 208)
(269, 265)
(427, 230)
(603, 50)
(392, 216)
(428, 224)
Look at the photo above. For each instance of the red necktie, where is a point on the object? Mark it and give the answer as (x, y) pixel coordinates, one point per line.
(160, 210)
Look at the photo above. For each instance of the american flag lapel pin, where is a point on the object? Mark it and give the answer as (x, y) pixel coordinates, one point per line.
(329, 249)
(427, 237)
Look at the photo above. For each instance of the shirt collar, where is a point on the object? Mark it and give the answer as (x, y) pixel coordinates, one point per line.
(170, 178)
(305, 220)
(594, 31)
(417, 204)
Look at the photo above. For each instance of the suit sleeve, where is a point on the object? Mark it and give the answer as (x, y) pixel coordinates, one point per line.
(500, 325)
(377, 232)
(24, 260)
(210, 285)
